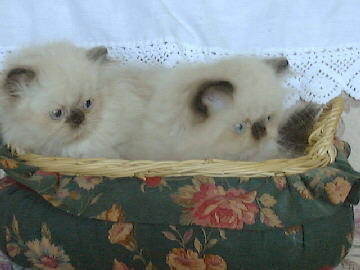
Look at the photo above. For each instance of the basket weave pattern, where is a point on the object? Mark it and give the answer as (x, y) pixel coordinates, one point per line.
(321, 152)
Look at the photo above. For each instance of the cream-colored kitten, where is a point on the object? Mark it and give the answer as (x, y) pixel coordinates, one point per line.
(230, 109)
(58, 99)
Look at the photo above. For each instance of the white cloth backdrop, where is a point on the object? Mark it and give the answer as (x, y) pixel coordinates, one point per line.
(237, 25)
(321, 38)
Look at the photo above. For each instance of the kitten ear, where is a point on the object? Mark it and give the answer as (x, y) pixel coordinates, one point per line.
(279, 64)
(16, 78)
(97, 53)
(212, 97)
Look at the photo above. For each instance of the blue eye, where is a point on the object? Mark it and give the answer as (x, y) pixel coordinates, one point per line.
(240, 127)
(88, 103)
(57, 114)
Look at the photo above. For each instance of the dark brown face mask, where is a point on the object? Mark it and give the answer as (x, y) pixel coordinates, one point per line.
(258, 130)
(75, 118)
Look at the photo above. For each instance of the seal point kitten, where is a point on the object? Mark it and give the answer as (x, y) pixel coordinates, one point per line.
(59, 99)
(228, 109)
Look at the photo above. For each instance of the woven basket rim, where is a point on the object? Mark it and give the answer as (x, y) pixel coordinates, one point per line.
(321, 153)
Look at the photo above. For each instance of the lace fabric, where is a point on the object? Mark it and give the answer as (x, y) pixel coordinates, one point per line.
(317, 74)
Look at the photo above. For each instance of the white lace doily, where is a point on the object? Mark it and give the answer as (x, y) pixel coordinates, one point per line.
(317, 74)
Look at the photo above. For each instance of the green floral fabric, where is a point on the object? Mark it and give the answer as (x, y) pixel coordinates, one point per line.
(54, 221)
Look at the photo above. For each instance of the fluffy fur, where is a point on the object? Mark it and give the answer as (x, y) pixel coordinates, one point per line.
(295, 130)
(230, 109)
(99, 102)
(61, 100)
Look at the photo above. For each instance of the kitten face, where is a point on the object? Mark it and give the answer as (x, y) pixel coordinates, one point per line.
(239, 116)
(50, 94)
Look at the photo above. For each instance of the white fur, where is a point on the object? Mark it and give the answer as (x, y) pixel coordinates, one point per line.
(139, 113)
(65, 76)
(171, 131)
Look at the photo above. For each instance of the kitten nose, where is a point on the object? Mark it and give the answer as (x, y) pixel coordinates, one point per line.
(76, 117)
(258, 130)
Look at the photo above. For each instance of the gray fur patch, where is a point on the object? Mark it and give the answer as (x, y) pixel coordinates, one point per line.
(295, 131)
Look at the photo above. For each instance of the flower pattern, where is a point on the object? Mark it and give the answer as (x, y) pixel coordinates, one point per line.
(44, 255)
(210, 205)
(53, 200)
(184, 258)
(268, 217)
(214, 262)
(6, 182)
(153, 181)
(12, 249)
(338, 190)
(114, 214)
(280, 182)
(88, 182)
(180, 259)
(191, 219)
(122, 233)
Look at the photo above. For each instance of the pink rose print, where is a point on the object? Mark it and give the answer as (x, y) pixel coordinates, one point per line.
(211, 205)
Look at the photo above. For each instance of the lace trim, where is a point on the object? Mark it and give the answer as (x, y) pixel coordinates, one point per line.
(318, 75)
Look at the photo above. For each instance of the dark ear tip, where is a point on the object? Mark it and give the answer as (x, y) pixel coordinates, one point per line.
(279, 64)
(284, 61)
(222, 87)
(16, 76)
(20, 71)
(283, 64)
(103, 50)
(97, 53)
(20, 74)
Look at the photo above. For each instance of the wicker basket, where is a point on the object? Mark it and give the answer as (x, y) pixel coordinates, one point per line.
(321, 152)
(272, 215)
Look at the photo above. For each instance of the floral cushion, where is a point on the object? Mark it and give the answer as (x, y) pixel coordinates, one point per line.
(54, 221)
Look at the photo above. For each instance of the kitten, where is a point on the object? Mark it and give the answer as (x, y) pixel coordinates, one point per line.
(61, 100)
(230, 109)
(58, 99)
